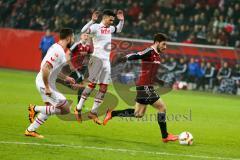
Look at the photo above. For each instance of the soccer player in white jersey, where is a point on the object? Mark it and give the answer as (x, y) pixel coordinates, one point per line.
(99, 65)
(50, 69)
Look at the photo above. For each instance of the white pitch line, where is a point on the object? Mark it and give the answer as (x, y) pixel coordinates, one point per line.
(119, 150)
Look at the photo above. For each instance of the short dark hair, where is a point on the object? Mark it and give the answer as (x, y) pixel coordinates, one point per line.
(108, 12)
(159, 37)
(65, 32)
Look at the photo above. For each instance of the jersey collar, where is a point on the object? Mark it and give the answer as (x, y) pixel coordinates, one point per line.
(102, 25)
(155, 50)
(84, 44)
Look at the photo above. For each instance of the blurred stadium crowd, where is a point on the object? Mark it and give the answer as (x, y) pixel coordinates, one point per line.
(193, 73)
(213, 22)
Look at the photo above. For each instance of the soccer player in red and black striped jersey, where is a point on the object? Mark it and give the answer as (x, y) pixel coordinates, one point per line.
(79, 57)
(80, 50)
(145, 91)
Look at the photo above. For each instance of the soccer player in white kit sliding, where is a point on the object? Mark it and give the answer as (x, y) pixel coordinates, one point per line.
(99, 65)
(51, 67)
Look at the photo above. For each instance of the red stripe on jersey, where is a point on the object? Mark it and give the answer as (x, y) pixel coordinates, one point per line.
(49, 63)
(149, 69)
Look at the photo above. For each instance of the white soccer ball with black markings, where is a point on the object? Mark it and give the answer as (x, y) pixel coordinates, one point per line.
(186, 138)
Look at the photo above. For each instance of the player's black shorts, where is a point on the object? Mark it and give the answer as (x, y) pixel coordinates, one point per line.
(146, 95)
(79, 75)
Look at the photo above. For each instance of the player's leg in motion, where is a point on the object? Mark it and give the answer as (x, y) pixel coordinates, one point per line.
(97, 102)
(85, 94)
(61, 107)
(138, 112)
(80, 91)
(140, 107)
(94, 68)
(161, 117)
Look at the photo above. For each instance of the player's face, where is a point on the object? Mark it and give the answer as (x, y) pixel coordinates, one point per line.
(109, 20)
(48, 33)
(161, 47)
(84, 37)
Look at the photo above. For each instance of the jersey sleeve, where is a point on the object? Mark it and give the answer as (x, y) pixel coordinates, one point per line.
(93, 28)
(54, 58)
(113, 29)
(90, 27)
(140, 55)
(74, 47)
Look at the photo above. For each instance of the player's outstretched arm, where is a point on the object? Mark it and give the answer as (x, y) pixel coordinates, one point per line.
(139, 55)
(122, 58)
(66, 78)
(120, 17)
(86, 28)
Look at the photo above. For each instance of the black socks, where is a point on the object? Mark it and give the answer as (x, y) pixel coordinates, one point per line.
(130, 113)
(162, 124)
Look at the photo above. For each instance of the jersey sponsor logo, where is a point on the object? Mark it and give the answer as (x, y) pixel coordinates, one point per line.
(105, 31)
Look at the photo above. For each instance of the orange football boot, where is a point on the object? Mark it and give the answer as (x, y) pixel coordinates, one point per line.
(31, 113)
(78, 115)
(170, 137)
(33, 134)
(94, 117)
(107, 117)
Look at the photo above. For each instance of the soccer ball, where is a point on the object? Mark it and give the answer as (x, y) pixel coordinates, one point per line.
(182, 85)
(186, 138)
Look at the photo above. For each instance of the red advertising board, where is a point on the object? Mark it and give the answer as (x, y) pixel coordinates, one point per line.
(19, 49)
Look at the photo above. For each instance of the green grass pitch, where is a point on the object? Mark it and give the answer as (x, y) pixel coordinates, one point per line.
(214, 123)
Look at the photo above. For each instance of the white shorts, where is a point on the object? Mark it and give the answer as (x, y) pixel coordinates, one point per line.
(99, 70)
(56, 99)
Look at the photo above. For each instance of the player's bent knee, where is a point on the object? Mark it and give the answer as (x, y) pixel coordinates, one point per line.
(63, 107)
(92, 85)
(103, 88)
(160, 107)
